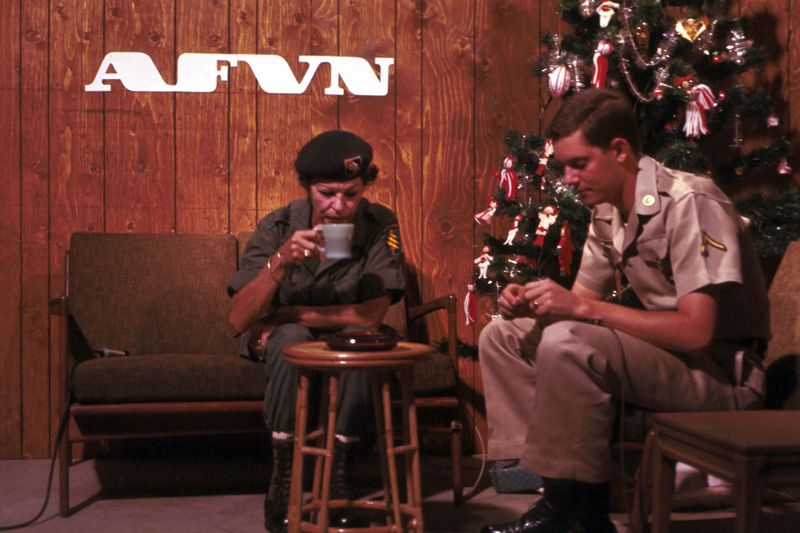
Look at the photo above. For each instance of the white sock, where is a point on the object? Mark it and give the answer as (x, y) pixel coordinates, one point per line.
(347, 439)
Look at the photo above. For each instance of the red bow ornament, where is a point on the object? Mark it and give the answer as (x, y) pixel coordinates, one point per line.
(701, 99)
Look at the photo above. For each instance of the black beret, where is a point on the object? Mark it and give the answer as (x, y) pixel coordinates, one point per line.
(334, 155)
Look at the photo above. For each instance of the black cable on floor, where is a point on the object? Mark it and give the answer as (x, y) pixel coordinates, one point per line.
(61, 427)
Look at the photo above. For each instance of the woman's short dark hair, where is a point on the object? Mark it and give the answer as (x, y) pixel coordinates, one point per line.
(601, 114)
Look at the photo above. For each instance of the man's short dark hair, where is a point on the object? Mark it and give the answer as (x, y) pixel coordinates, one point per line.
(601, 115)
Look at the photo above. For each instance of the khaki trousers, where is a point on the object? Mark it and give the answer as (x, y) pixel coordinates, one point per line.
(552, 393)
(506, 351)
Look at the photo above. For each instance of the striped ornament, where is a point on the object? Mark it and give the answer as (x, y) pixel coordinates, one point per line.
(558, 81)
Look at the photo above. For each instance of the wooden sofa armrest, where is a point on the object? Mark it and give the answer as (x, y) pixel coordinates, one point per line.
(443, 302)
(448, 304)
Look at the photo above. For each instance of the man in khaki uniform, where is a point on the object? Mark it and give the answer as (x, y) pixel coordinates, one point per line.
(696, 345)
(287, 291)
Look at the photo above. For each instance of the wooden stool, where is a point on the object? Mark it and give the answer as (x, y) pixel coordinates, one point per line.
(749, 448)
(400, 360)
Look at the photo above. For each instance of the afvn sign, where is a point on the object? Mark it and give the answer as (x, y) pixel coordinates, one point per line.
(198, 73)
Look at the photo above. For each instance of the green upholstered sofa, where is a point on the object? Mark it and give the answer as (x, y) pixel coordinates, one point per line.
(161, 299)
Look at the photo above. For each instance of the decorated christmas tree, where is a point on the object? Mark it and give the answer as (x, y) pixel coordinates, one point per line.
(684, 65)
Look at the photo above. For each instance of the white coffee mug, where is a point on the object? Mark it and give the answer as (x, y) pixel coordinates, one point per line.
(338, 240)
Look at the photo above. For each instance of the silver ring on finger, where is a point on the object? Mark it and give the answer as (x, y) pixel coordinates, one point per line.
(306, 253)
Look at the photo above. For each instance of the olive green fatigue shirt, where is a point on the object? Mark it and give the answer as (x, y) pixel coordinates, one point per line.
(375, 268)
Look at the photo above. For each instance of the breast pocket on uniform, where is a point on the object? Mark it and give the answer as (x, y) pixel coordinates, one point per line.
(653, 251)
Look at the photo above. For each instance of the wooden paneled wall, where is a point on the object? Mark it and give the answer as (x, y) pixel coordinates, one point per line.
(210, 163)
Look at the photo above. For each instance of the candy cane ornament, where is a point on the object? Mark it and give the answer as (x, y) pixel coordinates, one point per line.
(600, 60)
(509, 180)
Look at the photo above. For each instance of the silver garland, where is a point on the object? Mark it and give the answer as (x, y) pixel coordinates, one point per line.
(737, 44)
(588, 8)
(662, 55)
(663, 52)
(577, 74)
(659, 79)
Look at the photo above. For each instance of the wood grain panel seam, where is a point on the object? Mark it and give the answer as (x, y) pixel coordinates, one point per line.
(174, 99)
(228, 117)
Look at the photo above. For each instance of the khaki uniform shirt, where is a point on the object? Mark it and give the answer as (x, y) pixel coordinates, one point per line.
(682, 235)
(374, 270)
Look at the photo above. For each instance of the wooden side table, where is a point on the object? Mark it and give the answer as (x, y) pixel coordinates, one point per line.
(749, 448)
(400, 360)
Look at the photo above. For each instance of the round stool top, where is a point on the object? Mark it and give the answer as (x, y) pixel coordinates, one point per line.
(318, 355)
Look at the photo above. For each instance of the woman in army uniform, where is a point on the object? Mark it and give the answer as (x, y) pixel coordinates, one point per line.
(287, 291)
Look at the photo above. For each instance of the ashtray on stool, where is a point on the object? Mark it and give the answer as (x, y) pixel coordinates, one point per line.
(362, 341)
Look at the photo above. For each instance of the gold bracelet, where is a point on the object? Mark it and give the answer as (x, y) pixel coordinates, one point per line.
(269, 268)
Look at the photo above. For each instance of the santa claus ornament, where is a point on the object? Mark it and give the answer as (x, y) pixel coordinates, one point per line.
(565, 250)
(606, 10)
(547, 217)
(545, 156)
(512, 233)
(482, 262)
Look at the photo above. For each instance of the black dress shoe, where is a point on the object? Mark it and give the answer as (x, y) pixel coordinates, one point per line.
(595, 524)
(276, 525)
(541, 518)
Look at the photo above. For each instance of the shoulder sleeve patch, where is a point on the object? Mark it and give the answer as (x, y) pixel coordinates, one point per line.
(392, 240)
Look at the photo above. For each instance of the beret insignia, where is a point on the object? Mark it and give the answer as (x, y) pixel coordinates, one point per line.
(352, 166)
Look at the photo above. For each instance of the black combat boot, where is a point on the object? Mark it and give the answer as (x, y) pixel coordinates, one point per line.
(276, 503)
(343, 456)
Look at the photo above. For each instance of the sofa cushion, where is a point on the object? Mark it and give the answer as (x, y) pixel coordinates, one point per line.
(434, 375)
(784, 306)
(152, 293)
(168, 377)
